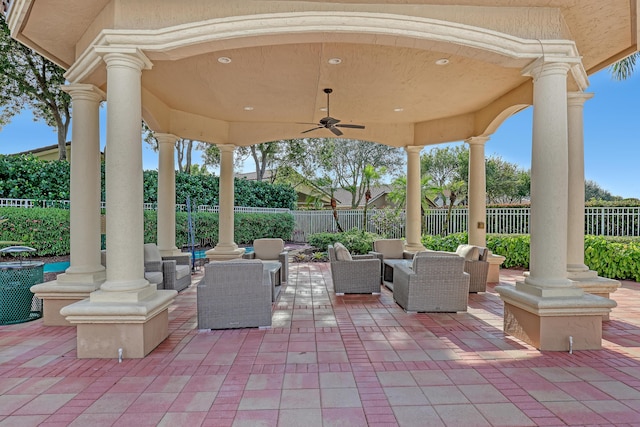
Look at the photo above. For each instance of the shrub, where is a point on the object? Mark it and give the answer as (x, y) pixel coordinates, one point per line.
(356, 241)
(44, 229)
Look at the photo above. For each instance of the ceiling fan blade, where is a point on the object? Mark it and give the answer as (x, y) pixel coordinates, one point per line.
(335, 131)
(312, 129)
(350, 126)
(307, 123)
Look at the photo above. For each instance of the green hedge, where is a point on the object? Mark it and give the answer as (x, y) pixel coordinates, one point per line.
(47, 229)
(612, 257)
(27, 177)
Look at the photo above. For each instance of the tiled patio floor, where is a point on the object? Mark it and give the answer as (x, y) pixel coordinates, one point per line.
(354, 360)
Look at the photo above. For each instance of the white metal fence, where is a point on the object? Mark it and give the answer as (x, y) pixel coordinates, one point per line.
(604, 221)
(599, 221)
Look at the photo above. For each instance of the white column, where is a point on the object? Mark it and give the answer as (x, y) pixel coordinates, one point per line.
(124, 188)
(84, 212)
(575, 223)
(549, 178)
(413, 227)
(226, 247)
(477, 191)
(166, 194)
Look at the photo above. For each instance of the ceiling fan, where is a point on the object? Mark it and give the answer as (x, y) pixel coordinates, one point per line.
(331, 123)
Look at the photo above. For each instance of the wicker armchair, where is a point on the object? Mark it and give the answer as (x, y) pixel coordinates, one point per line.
(476, 265)
(435, 283)
(176, 270)
(234, 295)
(271, 250)
(389, 249)
(361, 275)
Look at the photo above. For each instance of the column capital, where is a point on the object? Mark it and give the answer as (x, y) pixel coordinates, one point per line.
(578, 98)
(542, 67)
(226, 147)
(83, 91)
(124, 57)
(166, 138)
(477, 140)
(413, 149)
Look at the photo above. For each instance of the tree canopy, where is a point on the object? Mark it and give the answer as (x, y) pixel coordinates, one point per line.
(28, 80)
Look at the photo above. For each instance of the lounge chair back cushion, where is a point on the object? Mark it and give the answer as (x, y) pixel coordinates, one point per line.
(151, 252)
(468, 252)
(342, 253)
(268, 248)
(389, 248)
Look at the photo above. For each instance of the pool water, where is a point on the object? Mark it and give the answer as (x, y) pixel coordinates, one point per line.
(54, 267)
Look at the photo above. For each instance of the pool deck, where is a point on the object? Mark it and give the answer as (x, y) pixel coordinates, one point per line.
(328, 360)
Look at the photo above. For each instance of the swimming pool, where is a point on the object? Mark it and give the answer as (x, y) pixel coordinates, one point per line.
(55, 267)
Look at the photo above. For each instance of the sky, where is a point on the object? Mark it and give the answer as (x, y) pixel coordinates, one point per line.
(611, 136)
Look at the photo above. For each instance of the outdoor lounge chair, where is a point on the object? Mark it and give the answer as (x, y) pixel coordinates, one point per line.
(434, 283)
(476, 265)
(357, 274)
(171, 272)
(234, 295)
(175, 270)
(389, 252)
(271, 250)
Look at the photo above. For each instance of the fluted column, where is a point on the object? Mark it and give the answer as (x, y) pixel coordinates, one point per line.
(226, 247)
(126, 315)
(85, 186)
(477, 191)
(166, 194)
(549, 179)
(413, 227)
(547, 310)
(85, 272)
(124, 189)
(575, 223)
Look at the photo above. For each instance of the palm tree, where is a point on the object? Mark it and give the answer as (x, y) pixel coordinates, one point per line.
(624, 68)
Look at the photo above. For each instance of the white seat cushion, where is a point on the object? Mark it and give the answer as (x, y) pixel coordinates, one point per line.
(182, 270)
(154, 277)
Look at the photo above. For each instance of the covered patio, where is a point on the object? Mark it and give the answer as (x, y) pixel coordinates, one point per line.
(353, 360)
(240, 73)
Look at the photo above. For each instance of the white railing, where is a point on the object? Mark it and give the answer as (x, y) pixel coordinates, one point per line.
(319, 221)
(603, 221)
(599, 221)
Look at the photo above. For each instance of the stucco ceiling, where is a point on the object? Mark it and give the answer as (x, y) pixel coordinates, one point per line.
(389, 83)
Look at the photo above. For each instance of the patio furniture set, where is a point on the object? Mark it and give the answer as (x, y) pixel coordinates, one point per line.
(427, 281)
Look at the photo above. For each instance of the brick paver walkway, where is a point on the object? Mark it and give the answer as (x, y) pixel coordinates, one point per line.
(353, 360)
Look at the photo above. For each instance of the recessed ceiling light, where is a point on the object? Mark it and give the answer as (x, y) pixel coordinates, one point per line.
(248, 108)
(442, 61)
(323, 108)
(398, 109)
(224, 60)
(335, 61)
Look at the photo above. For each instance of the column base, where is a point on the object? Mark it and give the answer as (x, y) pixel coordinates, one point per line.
(554, 323)
(495, 261)
(55, 295)
(172, 252)
(225, 252)
(593, 284)
(414, 247)
(135, 327)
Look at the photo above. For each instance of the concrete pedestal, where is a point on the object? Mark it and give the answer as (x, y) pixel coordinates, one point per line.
(495, 261)
(554, 323)
(593, 284)
(135, 327)
(55, 295)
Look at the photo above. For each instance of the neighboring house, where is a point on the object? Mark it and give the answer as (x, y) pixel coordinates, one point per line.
(50, 152)
(310, 197)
